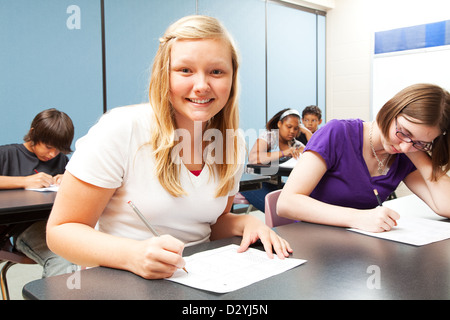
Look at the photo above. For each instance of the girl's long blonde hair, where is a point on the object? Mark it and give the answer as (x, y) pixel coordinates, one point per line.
(163, 137)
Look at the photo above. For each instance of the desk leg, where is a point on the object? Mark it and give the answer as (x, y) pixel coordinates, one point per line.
(3, 282)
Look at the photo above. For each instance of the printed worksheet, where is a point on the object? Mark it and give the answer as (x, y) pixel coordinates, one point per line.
(415, 231)
(224, 269)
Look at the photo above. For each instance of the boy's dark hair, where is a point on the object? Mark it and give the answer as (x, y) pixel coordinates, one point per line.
(312, 110)
(52, 127)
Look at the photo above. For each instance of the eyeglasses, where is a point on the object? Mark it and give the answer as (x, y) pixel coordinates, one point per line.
(419, 145)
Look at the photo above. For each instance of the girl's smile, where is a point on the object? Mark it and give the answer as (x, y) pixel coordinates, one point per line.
(201, 75)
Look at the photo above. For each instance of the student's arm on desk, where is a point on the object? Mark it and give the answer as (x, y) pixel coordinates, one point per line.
(295, 202)
(38, 180)
(71, 234)
(259, 154)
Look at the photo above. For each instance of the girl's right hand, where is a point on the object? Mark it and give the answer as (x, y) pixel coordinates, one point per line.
(379, 219)
(158, 257)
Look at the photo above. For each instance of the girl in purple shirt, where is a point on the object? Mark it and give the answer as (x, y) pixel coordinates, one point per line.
(346, 160)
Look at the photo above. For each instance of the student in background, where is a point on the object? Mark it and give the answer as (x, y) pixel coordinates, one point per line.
(346, 160)
(39, 162)
(311, 119)
(277, 143)
(133, 154)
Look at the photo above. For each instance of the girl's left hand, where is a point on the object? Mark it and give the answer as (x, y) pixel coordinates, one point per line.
(57, 179)
(255, 230)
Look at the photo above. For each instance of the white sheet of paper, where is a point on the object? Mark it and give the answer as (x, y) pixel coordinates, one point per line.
(415, 231)
(52, 188)
(290, 163)
(224, 269)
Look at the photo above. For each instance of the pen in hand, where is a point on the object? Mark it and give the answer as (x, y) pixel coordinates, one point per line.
(375, 191)
(145, 221)
(53, 181)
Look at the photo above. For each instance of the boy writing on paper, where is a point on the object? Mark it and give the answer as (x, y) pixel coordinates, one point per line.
(39, 162)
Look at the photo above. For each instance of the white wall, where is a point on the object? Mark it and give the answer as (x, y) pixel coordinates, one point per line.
(350, 32)
(349, 43)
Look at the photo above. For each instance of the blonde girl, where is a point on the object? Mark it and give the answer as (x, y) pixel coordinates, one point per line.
(157, 156)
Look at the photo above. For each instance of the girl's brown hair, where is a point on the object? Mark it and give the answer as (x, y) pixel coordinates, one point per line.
(425, 104)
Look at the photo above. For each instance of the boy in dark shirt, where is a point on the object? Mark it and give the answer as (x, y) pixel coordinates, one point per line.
(39, 162)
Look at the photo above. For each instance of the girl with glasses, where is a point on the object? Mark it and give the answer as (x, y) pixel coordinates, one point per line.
(346, 160)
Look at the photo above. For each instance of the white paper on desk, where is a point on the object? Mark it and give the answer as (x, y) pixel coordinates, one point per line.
(289, 164)
(415, 231)
(224, 269)
(52, 188)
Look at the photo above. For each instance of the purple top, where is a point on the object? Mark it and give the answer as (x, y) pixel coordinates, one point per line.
(347, 181)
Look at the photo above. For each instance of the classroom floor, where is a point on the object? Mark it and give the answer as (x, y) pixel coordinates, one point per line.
(20, 274)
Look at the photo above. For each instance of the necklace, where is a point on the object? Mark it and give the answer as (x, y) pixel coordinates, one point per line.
(381, 164)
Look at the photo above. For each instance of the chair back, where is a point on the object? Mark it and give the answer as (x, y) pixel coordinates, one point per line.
(240, 199)
(8, 253)
(272, 218)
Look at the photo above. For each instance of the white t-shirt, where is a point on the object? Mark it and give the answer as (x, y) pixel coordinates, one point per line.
(115, 154)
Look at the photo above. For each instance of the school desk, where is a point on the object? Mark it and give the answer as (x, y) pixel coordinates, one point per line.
(251, 181)
(20, 205)
(274, 171)
(270, 170)
(341, 265)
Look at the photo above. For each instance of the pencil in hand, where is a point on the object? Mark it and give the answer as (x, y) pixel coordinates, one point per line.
(378, 197)
(375, 191)
(145, 221)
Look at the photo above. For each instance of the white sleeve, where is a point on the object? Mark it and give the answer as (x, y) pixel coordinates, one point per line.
(101, 156)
